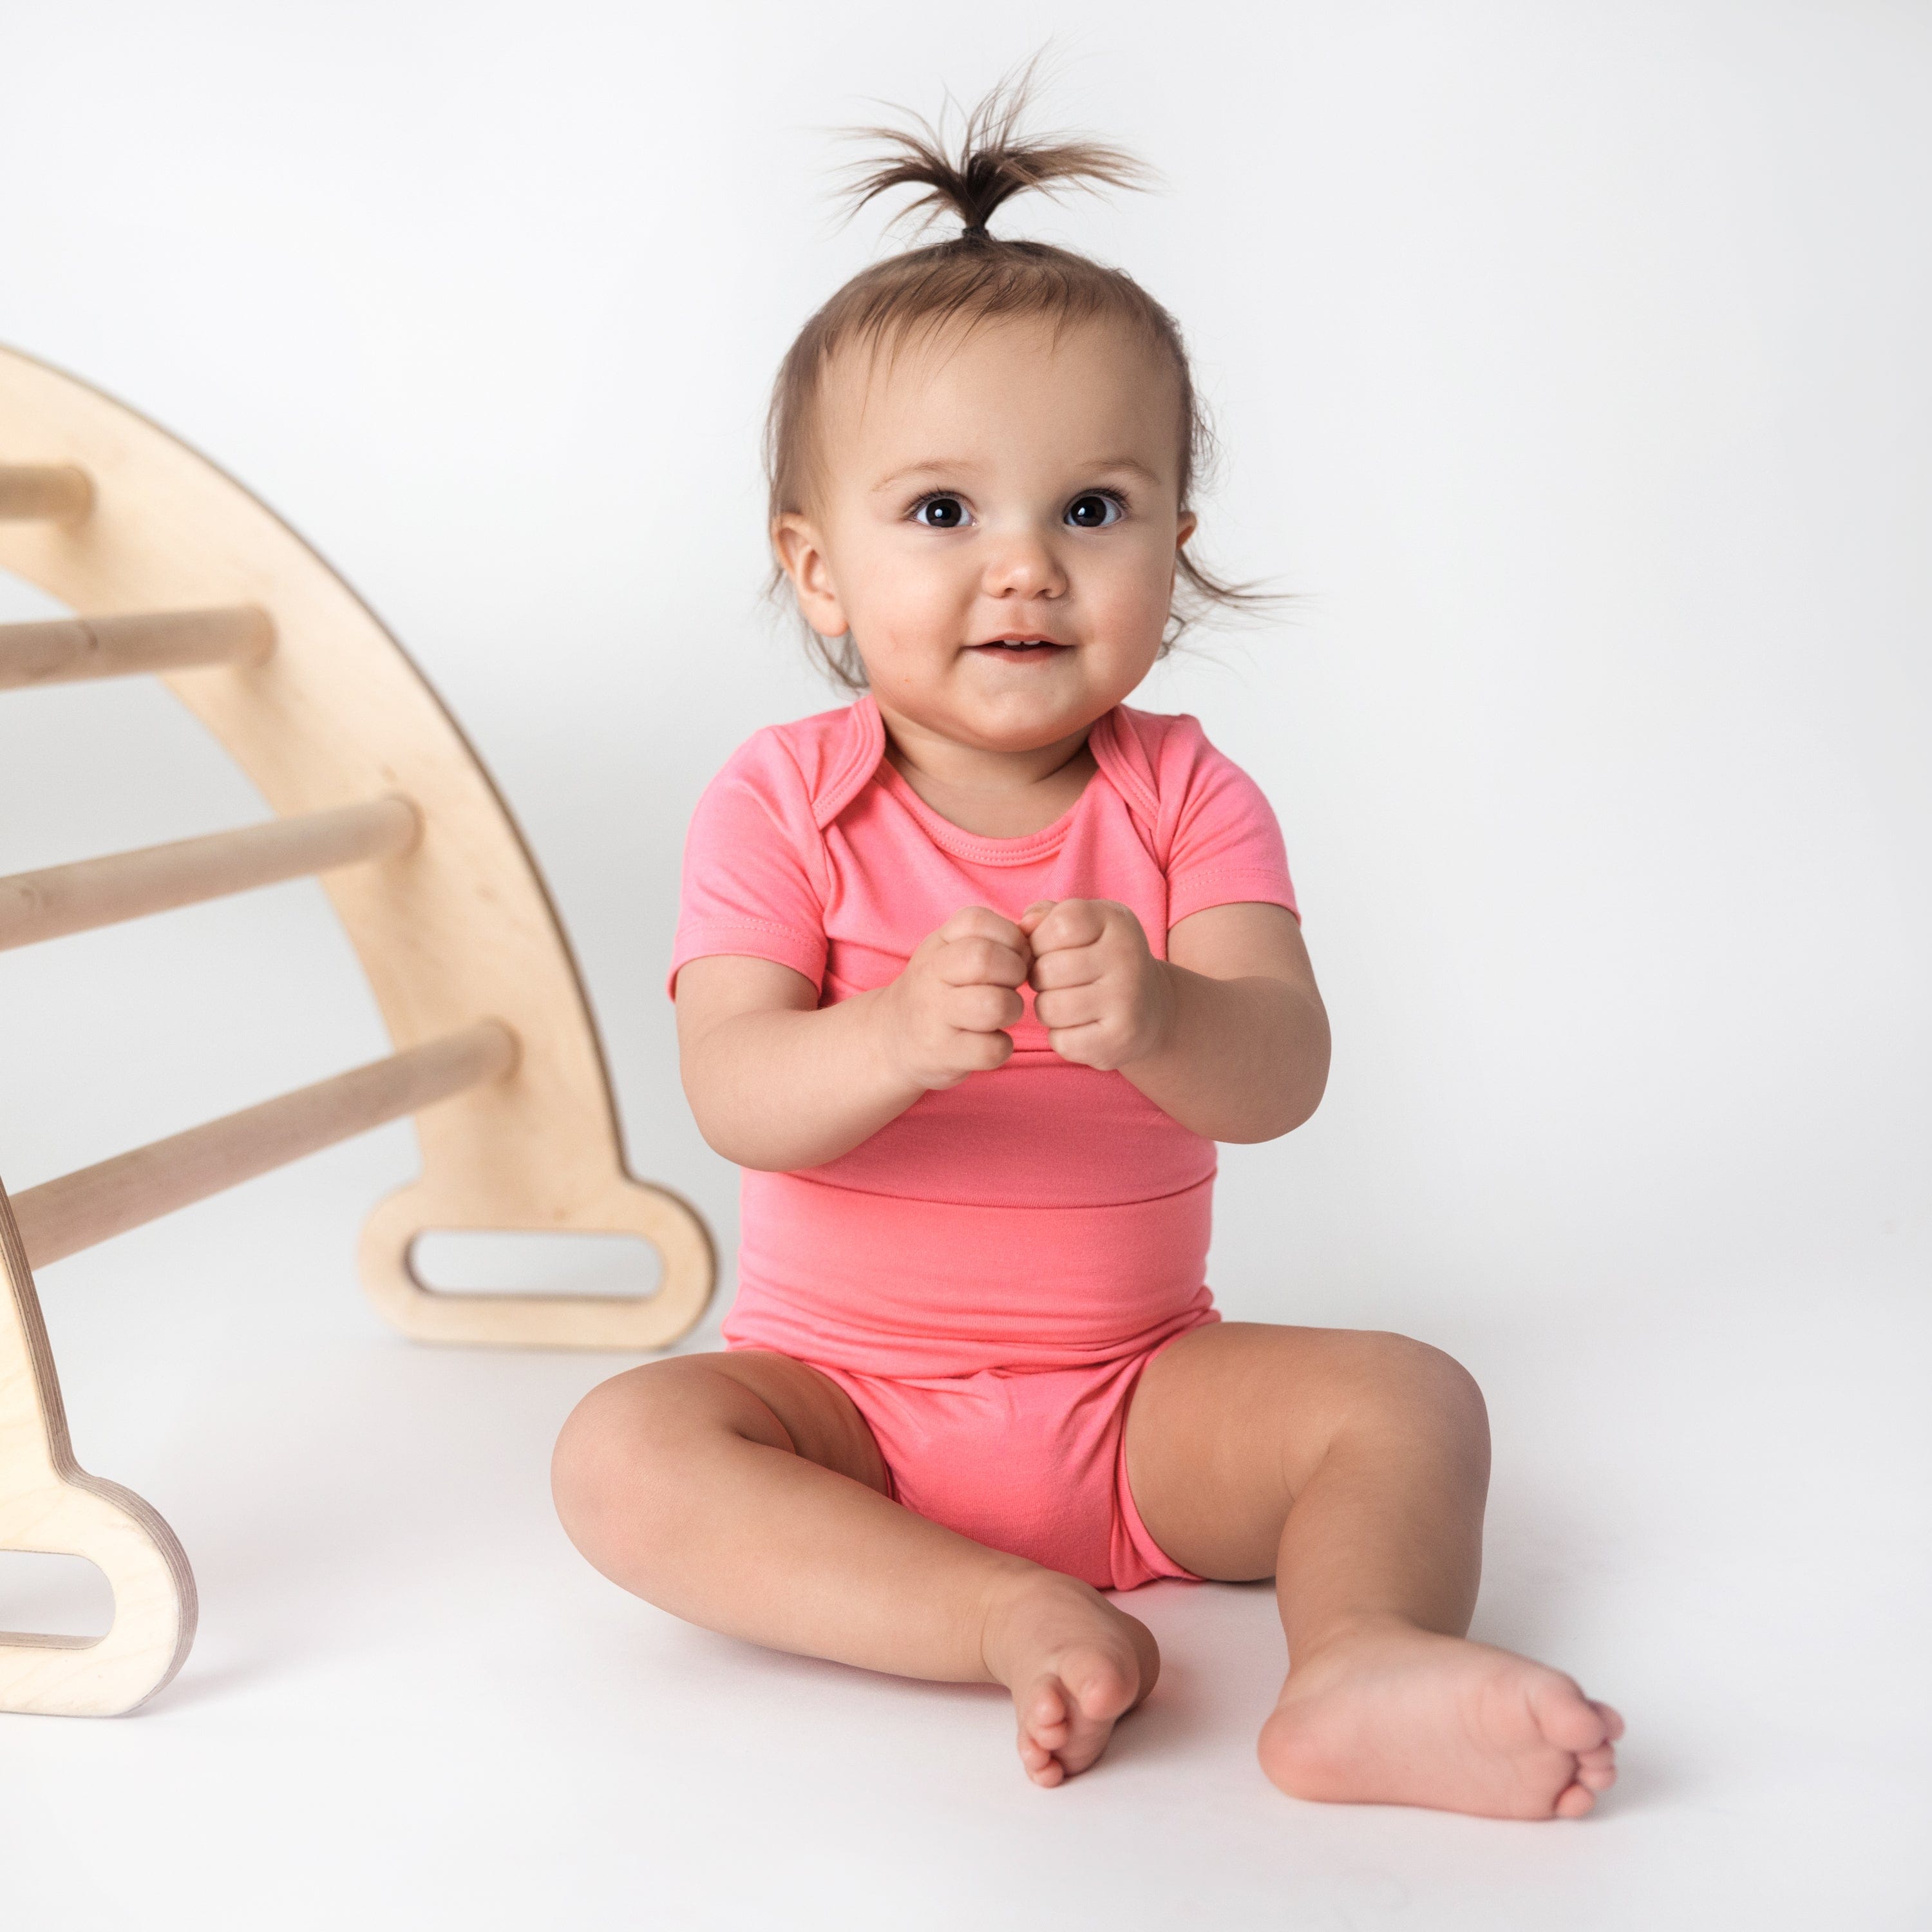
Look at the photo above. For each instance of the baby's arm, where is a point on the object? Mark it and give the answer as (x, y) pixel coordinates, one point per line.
(1228, 1035)
(777, 1081)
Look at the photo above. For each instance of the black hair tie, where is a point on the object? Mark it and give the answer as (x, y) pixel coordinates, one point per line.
(974, 231)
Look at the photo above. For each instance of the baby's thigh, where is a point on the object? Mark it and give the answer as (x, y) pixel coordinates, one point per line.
(1228, 1423)
(688, 1406)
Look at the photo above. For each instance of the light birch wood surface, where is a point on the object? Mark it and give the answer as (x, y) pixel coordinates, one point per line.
(62, 490)
(71, 648)
(61, 899)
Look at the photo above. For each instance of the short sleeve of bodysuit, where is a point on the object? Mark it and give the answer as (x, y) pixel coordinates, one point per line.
(1226, 844)
(1213, 831)
(749, 884)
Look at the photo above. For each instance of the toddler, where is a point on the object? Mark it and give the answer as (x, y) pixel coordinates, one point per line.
(971, 974)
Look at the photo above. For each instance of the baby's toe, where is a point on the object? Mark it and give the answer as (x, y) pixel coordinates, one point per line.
(1566, 1716)
(1613, 1724)
(1045, 1715)
(1575, 1802)
(1099, 1690)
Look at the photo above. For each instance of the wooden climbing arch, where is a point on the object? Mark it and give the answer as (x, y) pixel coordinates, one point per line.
(174, 570)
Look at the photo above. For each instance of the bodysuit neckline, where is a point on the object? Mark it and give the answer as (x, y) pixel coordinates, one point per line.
(863, 761)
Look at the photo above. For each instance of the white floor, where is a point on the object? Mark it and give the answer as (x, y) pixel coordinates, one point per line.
(411, 1705)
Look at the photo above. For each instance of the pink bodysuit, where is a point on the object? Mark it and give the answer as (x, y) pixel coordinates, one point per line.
(988, 1274)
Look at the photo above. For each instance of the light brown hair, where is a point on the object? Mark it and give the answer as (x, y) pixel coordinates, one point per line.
(975, 278)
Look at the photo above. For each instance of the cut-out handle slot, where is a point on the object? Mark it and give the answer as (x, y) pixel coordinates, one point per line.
(44, 1596)
(469, 1260)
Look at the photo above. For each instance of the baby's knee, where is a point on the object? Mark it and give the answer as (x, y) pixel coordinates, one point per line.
(621, 1443)
(1416, 1378)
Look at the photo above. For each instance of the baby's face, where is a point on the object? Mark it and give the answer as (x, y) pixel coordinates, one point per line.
(997, 524)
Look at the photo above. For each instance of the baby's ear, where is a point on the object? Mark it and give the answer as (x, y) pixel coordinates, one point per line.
(800, 550)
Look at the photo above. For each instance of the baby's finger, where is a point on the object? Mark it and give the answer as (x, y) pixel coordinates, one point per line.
(982, 922)
(1029, 919)
(1069, 1006)
(981, 962)
(1070, 922)
(1080, 1044)
(982, 1009)
(1066, 966)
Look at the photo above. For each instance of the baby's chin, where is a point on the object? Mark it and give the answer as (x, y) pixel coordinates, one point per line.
(1015, 721)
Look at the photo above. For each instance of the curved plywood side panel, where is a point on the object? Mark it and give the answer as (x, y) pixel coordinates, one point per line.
(459, 927)
(48, 1504)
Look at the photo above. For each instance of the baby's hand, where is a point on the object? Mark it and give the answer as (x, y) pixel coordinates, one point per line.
(945, 1013)
(1102, 997)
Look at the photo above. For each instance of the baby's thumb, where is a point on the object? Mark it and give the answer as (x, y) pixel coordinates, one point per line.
(1029, 920)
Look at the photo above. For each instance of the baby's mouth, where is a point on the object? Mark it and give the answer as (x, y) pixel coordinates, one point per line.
(1019, 650)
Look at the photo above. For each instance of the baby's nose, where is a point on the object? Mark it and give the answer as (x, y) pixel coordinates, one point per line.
(1023, 565)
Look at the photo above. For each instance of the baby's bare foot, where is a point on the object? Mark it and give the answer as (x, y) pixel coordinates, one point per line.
(1391, 1714)
(1075, 1665)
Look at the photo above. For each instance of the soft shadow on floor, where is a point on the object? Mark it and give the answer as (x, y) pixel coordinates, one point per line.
(1176, 1717)
(1649, 1780)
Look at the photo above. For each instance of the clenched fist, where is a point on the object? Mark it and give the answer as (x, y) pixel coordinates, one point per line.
(1104, 999)
(945, 1015)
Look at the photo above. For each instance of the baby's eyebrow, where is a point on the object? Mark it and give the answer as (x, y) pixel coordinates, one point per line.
(1132, 465)
(961, 467)
(949, 466)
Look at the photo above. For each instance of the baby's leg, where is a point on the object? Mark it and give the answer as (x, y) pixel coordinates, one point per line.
(744, 1492)
(1352, 1467)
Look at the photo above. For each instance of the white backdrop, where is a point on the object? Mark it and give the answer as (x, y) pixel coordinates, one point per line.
(1569, 361)
(1569, 365)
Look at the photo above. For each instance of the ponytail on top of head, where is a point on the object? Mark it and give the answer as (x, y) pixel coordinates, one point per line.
(972, 276)
(990, 163)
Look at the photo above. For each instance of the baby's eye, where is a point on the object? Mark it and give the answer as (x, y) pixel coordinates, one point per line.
(941, 513)
(1095, 510)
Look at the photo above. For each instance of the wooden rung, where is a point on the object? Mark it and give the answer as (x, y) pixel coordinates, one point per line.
(58, 493)
(60, 1217)
(46, 904)
(63, 650)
